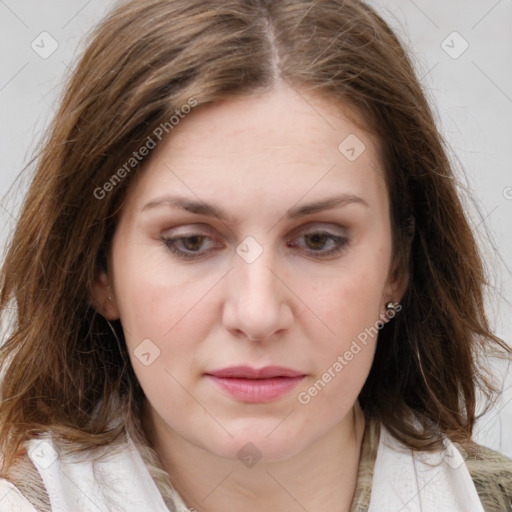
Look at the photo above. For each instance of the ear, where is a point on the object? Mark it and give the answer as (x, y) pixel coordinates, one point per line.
(103, 297)
(398, 279)
(397, 285)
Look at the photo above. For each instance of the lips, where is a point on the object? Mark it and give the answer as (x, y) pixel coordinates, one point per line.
(253, 385)
(246, 372)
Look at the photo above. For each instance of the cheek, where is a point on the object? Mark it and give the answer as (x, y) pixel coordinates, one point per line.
(344, 327)
(343, 355)
(155, 299)
(165, 316)
(344, 305)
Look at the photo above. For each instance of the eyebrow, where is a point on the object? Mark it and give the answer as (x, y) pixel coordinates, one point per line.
(202, 208)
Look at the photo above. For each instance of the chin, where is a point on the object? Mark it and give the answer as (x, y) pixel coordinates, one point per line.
(266, 440)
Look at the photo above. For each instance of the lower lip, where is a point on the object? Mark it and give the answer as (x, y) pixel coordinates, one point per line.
(256, 390)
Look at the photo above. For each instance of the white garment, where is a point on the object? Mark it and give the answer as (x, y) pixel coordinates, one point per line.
(11, 500)
(409, 481)
(119, 481)
(403, 481)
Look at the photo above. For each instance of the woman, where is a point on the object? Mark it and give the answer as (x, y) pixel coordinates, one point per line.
(243, 278)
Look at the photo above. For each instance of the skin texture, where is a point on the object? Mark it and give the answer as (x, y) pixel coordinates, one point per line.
(255, 157)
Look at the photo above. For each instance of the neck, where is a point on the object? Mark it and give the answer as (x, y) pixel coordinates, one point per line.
(321, 477)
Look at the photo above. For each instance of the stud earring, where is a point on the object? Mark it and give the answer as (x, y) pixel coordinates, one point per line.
(109, 291)
(392, 306)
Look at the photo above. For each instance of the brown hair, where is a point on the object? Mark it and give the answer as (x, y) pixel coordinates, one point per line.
(63, 368)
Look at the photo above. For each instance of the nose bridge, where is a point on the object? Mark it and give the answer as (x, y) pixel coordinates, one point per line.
(252, 267)
(256, 303)
(256, 283)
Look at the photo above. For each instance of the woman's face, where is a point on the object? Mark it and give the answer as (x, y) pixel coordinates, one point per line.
(258, 236)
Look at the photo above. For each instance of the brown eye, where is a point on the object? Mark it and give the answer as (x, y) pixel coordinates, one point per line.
(320, 244)
(191, 246)
(316, 241)
(193, 243)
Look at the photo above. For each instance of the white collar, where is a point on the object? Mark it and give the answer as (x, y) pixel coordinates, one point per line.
(118, 481)
(409, 481)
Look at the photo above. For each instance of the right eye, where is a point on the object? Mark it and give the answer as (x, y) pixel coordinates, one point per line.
(194, 245)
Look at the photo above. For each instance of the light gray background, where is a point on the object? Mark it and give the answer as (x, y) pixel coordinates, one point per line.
(472, 93)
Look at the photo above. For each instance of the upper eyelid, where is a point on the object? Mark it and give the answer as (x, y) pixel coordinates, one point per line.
(320, 226)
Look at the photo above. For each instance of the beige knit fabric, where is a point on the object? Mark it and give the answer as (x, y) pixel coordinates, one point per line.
(361, 500)
(491, 473)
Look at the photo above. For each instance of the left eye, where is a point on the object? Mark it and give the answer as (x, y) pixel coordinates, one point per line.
(321, 243)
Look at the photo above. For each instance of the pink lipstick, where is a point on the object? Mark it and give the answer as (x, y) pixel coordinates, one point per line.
(252, 385)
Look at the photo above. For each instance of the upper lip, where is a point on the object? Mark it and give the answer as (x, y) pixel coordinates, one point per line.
(247, 372)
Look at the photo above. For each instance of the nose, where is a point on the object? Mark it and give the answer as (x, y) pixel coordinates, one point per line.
(257, 304)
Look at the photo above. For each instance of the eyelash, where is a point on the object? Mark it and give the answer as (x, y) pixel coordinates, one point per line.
(339, 241)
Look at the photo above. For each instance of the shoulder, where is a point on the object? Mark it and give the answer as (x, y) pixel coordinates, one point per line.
(492, 475)
(12, 499)
(51, 471)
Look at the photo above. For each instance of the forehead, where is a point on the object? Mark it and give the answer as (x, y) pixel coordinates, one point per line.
(273, 148)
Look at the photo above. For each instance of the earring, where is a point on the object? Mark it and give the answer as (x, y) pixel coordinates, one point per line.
(109, 291)
(392, 306)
